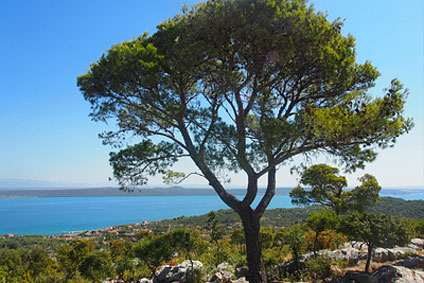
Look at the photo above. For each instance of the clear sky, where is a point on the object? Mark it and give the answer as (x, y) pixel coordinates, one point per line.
(45, 131)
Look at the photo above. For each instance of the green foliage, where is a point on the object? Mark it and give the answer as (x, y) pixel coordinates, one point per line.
(51, 275)
(272, 257)
(266, 234)
(80, 260)
(321, 269)
(121, 252)
(376, 230)
(24, 265)
(187, 242)
(419, 228)
(241, 86)
(144, 234)
(153, 252)
(328, 239)
(365, 195)
(97, 266)
(72, 256)
(12, 265)
(38, 260)
(267, 237)
(291, 92)
(326, 188)
(237, 237)
(399, 207)
(216, 233)
(321, 221)
(84, 261)
(284, 217)
(30, 241)
(294, 238)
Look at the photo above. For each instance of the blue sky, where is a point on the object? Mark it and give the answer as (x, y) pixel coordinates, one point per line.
(46, 133)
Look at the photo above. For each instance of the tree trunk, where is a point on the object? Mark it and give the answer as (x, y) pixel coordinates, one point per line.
(369, 257)
(315, 244)
(251, 227)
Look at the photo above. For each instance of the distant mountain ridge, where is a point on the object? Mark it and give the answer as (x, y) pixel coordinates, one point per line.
(111, 191)
(158, 191)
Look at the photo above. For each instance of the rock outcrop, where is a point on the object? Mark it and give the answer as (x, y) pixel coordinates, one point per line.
(354, 252)
(224, 272)
(407, 270)
(418, 242)
(178, 273)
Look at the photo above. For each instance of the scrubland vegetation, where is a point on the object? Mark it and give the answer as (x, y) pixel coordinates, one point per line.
(206, 238)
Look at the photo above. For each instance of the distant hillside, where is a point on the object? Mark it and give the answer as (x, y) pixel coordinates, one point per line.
(160, 191)
(400, 207)
(101, 192)
(283, 217)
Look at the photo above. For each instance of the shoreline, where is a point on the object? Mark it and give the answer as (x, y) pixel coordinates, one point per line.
(100, 224)
(159, 192)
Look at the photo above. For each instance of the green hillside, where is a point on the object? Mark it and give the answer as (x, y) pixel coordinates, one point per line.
(283, 217)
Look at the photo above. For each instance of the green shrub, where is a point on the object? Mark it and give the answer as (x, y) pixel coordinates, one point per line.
(322, 269)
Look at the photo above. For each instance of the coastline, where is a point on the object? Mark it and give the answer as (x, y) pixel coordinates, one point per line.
(173, 191)
(46, 216)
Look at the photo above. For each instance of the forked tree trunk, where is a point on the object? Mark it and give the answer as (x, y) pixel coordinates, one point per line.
(256, 266)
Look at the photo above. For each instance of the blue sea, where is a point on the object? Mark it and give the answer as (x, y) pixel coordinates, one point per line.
(49, 216)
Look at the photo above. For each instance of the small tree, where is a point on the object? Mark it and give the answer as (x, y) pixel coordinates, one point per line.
(187, 242)
(216, 232)
(122, 255)
(97, 266)
(376, 230)
(153, 252)
(327, 188)
(419, 228)
(38, 261)
(73, 256)
(320, 221)
(365, 195)
(293, 236)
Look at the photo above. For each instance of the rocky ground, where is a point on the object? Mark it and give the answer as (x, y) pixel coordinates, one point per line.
(399, 264)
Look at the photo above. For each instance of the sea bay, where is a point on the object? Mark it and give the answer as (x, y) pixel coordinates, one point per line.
(52, 215)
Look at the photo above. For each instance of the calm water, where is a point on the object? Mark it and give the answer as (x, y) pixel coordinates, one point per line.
(50, 216)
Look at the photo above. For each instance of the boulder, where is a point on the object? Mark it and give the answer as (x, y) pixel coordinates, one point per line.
(223, 276)
(240, 280)
(400, 252)
(398, 274)
(412, 246)
(418, 242)
(179, 273)
(384, 274)
(383, 255)
(196, 264)
(356, 276)
(412, 262)
(225, 267)
(355, 245)
(351, 255)
(224, 272)
(306, 257)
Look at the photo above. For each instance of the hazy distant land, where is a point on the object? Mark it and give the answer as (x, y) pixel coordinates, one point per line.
(111, 191)
(171, 191)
